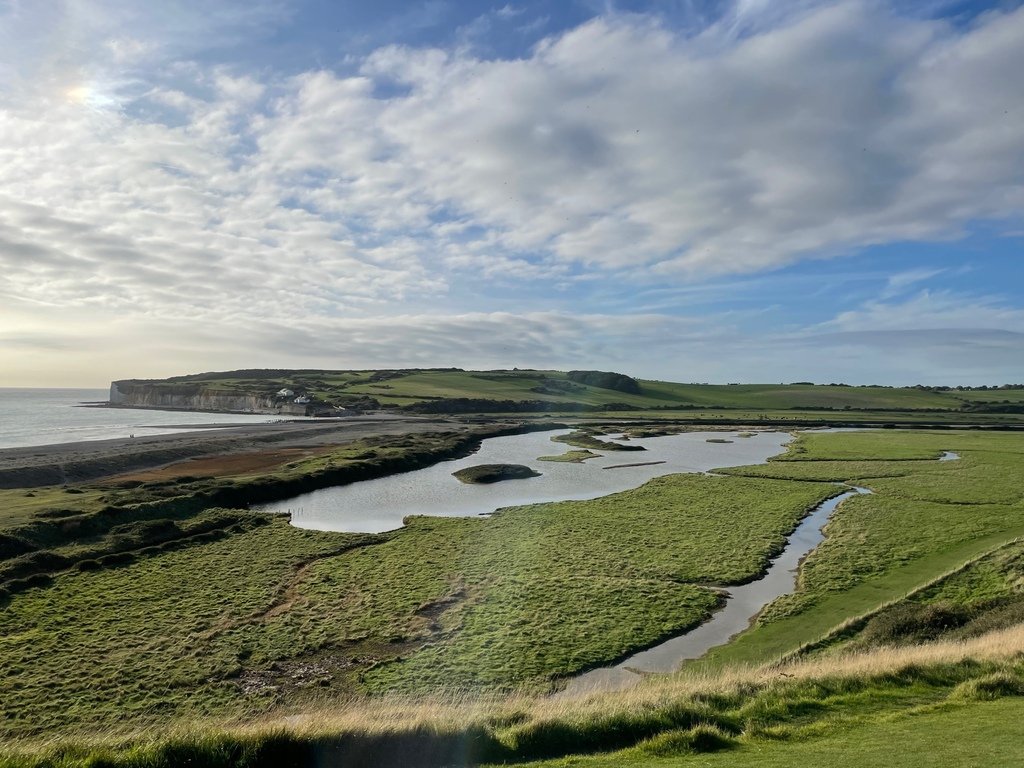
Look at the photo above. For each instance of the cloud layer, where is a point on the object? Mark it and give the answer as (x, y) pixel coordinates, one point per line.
(142, 189)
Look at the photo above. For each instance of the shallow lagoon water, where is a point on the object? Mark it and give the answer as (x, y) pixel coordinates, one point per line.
(382, 504)
(373, 506)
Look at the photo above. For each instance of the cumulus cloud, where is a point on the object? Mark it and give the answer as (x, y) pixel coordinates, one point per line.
(330, 208)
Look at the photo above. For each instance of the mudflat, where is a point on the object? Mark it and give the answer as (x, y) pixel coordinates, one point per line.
(60, 463)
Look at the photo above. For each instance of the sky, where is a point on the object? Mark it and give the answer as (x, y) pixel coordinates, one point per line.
(745, 191)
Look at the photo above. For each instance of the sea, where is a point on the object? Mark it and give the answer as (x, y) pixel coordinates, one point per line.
(46, 416)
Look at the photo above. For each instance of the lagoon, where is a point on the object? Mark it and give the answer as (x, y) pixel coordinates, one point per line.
(374, 506)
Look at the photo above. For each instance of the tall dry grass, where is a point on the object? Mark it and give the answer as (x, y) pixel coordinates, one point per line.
(454, 710)
(430, 730)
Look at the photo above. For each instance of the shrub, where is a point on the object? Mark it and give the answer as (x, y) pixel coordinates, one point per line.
(620, 382)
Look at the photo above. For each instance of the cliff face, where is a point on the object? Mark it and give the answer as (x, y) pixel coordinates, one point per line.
(192, 397)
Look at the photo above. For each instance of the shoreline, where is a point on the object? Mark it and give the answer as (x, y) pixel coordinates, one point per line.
(165, 408)
(82, 461)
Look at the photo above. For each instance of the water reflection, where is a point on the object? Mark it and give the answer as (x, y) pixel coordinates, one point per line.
(381, 504)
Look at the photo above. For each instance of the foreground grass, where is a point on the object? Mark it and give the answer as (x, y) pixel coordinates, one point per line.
(986, 734)
(804, 711)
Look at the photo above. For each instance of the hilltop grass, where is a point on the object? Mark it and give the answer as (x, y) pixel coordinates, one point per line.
(512, 385)
(407, 387)
(794, 714)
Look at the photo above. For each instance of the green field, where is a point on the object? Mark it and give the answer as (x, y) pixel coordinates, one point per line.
(459, 391)
(232, 617)
(532, 593)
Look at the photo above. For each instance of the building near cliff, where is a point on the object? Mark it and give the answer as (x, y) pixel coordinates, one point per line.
(202, 396)
(285, 393)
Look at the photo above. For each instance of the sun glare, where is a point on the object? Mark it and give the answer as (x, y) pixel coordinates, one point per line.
(79, 94)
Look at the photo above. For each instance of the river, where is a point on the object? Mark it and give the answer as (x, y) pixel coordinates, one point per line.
(373, 506)
(382, 504)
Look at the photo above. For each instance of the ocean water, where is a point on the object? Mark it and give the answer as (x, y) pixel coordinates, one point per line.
(46, 416)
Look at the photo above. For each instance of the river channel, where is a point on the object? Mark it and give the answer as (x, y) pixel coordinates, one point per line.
(374, 506)
(382, 504)
(742, 604)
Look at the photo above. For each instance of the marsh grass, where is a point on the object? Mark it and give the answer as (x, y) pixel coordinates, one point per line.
(575, 457)
(924, 519)
(270, 615)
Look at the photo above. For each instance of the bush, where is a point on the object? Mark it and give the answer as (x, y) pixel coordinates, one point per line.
(914, 623)
(991, 687)
(620, 382)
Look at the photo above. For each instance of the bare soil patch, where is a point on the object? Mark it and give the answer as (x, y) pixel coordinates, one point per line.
(223, 465)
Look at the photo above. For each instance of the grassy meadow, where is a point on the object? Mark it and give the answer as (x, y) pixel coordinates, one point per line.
(273, 615)
(177, 628)
(461, 391)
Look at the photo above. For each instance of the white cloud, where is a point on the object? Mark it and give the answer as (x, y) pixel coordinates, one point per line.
(142, 190)
(901, 281)
(621, 145)
(933, 310)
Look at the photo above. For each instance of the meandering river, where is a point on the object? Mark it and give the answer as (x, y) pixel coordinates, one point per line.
(378, 505)
(743, 603)
(382, 504)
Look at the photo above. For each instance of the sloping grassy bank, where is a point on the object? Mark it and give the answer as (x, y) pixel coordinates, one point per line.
(769, 714)
(924, 519)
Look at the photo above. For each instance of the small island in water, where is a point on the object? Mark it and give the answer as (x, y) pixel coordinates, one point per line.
(494, 473)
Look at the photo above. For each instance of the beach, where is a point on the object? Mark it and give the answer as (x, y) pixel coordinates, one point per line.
(72, 462)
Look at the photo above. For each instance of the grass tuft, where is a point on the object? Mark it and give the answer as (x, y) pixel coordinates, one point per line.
(705, 737)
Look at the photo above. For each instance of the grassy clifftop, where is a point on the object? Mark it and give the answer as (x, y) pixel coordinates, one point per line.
(453, 390)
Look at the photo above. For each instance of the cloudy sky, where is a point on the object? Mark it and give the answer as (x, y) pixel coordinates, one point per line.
(681, 189)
